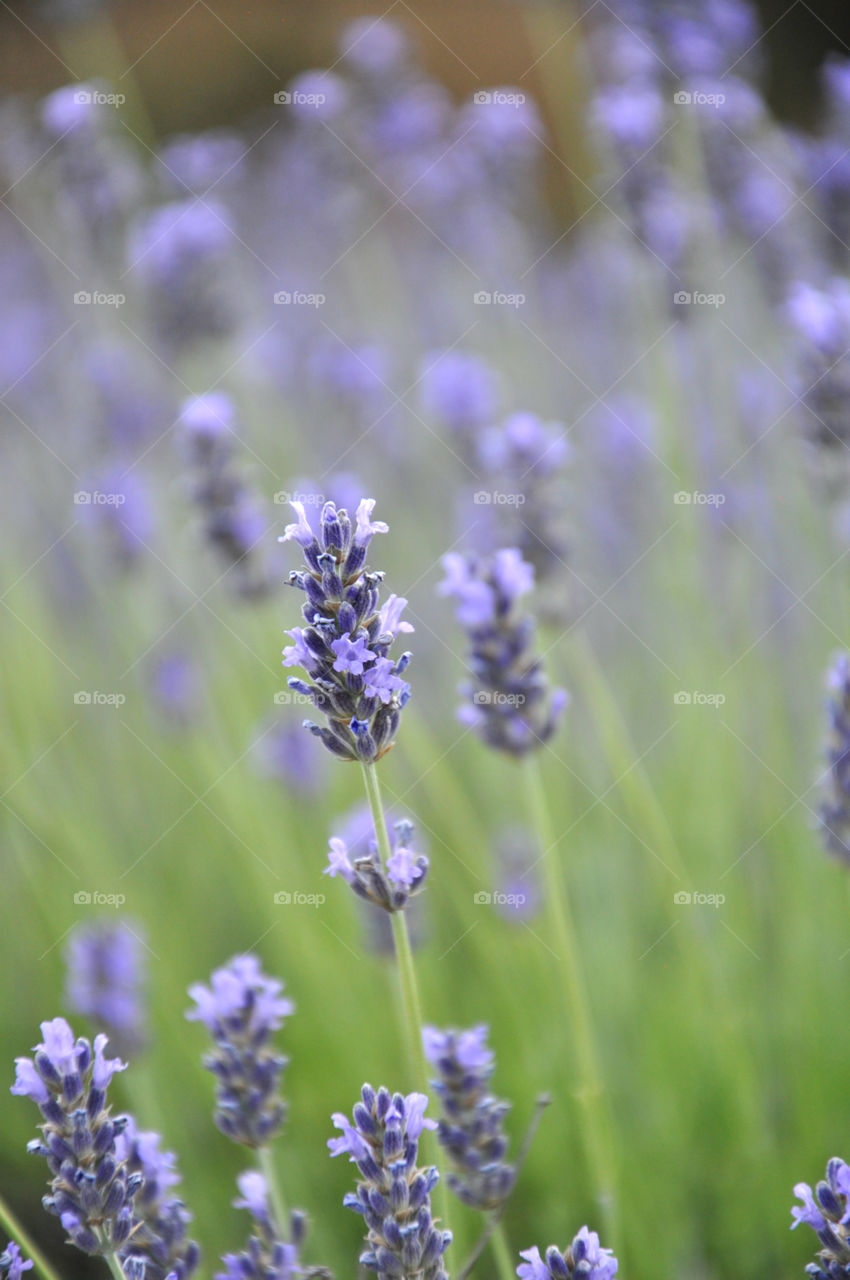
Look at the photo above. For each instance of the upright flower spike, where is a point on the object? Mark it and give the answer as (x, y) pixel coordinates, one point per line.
(266, 1255)
(105, 980)
(827, 1212)
(345, 645)
(470, 1129)
(91, 1189)
(12, 1265)
(158, 1248)
(584, 1259)
(241, 1008)
(835, 808)
(390, 886)
(508, 699)
(393, 1194)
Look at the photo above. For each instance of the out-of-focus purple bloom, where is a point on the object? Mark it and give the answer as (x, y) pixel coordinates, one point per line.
(174, 682)
(158, 1248)
(240, 1009)
(91, 1190)
(470, 1129)
(374, 47)
(283, 751)
(821, 321)
(106, 980)
(12, 1263)
(196, 162)
(835, 808)
(393, 1194)
(343, 635)
(390, 887)
(508, 699)
(827, 1212)
(584, 1259)
(272, 1248)
(117, 506)
(459, 388)
(318, 95)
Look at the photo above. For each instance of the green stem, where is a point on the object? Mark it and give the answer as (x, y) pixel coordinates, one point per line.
(113, 1262)
(412, 1009)
(502, 1253)
(590, 1091)
(17, 1233)
(278, 1202)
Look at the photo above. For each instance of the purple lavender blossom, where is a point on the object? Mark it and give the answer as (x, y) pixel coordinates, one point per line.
(12, 1264)
(266, 1255)
(827, 1212)
(374, 47)
(508, 700)
(106, 979)
(835, 809)
(584, 1259)
(390, 886)
(403, 1242)
(91, 1190)
(821, 321)
(158, 1248)
(241, 1008)
(459, 388)
(344, 637)
(470, 1129)
(284, 752)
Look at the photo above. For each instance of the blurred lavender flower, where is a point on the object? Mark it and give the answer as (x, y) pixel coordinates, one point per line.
(233, 521)
(284, 752)
(196, 162)
(519, 894)
(266, 1255)
(174, 682)
(117, 506)
(345, 647)
(158, 1248)
(12, 1264)
(509, 702)
(389, 886)
(584, 1259)
(827, 1212)
(374, 47)
(403, 1241)
(835, 809)
(91, 1190)
(821, 321)
(241, 1009)
(180, 251)
(470, 1129)
(106, 976)
(459, 388)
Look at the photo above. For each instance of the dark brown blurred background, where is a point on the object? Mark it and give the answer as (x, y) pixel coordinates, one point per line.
(202, 62)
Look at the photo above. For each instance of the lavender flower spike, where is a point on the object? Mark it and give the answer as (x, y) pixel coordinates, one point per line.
(266, 1255)
(508, 696)
(158, 1248)
(241, 1008)
(106, 979)
(827, 1212)
(12, 1265)
(584, 1259)
(345, 645)
(470, 1129)
(91, 1190)
(835, 809)
(390, 886)
(403, 1242)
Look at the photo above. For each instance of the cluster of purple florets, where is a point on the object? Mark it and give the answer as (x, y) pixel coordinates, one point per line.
(508, 701)
(835, 808)
(583, 1259)
(470, 1128)
(390, 886)
(266, 1255)
(827, 1212)
(345, 646)
(393, 1194)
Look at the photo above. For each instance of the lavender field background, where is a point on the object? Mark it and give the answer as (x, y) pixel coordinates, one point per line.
(598, 312)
